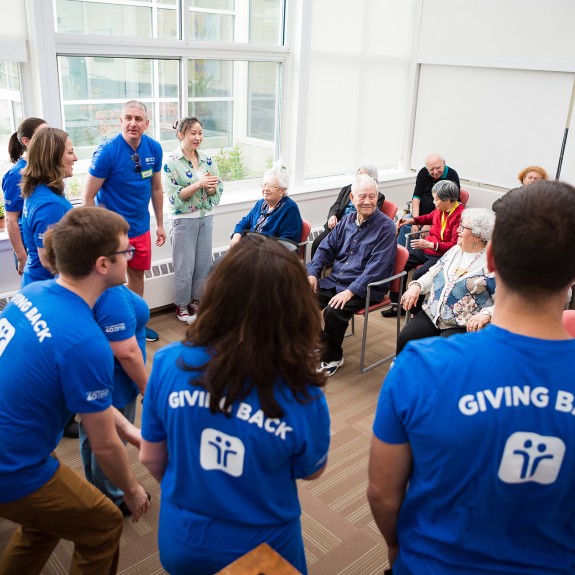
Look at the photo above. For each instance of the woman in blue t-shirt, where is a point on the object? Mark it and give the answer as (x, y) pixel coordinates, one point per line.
(51, 159)
(234, 414)
(13, 201)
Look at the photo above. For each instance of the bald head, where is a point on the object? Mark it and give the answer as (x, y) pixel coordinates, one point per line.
(435, 165)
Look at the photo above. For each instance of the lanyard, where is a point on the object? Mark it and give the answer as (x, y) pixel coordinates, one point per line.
(444, 218)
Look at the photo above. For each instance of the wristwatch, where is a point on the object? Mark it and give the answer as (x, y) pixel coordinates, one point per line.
(487, 313)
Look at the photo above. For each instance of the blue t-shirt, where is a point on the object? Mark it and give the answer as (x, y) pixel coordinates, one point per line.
(251, 458)
(13, 201)
(490, 419)
(122, 314)
(126, 191)
(54, 361)
(42, 209)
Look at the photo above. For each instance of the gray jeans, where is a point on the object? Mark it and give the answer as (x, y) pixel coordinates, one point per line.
(192, 256)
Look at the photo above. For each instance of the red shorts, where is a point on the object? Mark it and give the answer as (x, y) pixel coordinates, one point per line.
(142, 259)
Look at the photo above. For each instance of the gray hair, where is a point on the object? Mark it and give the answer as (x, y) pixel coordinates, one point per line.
(370, 169)
(362, 180)
(280, 172)
(446, 190)
(136, 104)
(481, 222)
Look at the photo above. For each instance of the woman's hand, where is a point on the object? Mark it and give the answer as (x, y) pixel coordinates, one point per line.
(235, 239)
(405, 222)
(332, 222)
(410, 297)
(422, 245)
(209, 183)
(478, 321)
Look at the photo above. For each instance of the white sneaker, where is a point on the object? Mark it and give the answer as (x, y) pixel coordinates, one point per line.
(192, 318)
(330, 367)
(182, 313)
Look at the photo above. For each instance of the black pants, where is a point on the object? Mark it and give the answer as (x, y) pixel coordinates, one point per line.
(335, 323)
(421, 326)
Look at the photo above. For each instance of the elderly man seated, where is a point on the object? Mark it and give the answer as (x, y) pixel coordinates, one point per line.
(361, 249)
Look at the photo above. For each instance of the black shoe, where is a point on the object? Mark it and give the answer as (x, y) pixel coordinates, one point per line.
(71, 430)
(392, 312)
(126, 510)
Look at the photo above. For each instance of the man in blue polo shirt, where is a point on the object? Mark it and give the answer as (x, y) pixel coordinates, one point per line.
(361, 248)
(55, 361)
(125, 174)
(473, 455)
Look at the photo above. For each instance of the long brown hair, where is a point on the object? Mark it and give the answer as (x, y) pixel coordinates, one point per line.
(260, 322)
(45, 161)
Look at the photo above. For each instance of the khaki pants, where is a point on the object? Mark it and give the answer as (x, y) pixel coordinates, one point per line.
(66, 507)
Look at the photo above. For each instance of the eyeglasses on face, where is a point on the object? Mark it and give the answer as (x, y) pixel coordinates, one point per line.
(129, 253)
(462, 227)
(136, 159)
(287, 244)
(268, 186)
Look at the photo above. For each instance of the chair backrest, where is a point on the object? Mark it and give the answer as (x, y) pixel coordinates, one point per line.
(401, 257)
(464, 196)
(305, 230)
(389, 209)
(569, 321)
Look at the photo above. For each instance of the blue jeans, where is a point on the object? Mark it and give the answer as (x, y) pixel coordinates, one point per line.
(192, 256)
(94, 473)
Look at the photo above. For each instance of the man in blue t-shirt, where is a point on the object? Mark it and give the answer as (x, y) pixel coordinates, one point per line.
(125, 174)
(472, 460)
(55, 361)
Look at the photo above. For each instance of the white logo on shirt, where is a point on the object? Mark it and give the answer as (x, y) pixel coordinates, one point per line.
(531, 457)
(221, 451)
(7, 332)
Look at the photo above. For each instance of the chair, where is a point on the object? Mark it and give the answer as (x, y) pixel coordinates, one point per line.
(396, 285)
(463, 196)
(569, 321)
(389, 209)
(305, 231)
(260, 561)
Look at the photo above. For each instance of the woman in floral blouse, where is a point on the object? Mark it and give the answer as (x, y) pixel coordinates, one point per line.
(461, 289)
(193, 187)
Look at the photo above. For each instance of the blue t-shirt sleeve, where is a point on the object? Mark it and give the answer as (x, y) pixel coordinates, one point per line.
(158, 155)
(101, 164)
(312, 454)
(153, 429)
(13, 201)
(45, 216)
(115, 316)
(86, 374)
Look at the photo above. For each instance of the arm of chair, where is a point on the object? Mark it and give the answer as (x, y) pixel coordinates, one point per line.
(419, 233)
(383, 281)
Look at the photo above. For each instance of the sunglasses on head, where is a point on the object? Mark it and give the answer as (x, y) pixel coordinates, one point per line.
(287, 244)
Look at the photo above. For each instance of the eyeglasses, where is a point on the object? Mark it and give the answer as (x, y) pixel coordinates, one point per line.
(265, 185)
(287, 244)
(136, 159)
(129, 253)
(462, 227)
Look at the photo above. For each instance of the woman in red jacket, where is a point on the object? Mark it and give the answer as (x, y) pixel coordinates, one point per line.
(442, 236)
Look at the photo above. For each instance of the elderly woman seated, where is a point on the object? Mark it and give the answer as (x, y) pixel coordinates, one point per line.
(442, 236)
(460, 287)
(276, 214)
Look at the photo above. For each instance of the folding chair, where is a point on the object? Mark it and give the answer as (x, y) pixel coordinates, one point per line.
(396, 285)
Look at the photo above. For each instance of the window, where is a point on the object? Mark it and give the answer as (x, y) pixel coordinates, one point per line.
(235, 98)
(10, 108)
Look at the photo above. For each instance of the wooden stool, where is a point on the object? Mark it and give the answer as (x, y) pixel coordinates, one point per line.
(262, 560)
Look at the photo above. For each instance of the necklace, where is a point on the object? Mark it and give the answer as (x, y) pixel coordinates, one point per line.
(460, 270)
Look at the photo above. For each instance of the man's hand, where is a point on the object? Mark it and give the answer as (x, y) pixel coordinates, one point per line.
(161, 236)
(340, 299)
(313, 283)
(137, 502)
(22, 264)
(332, 222)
